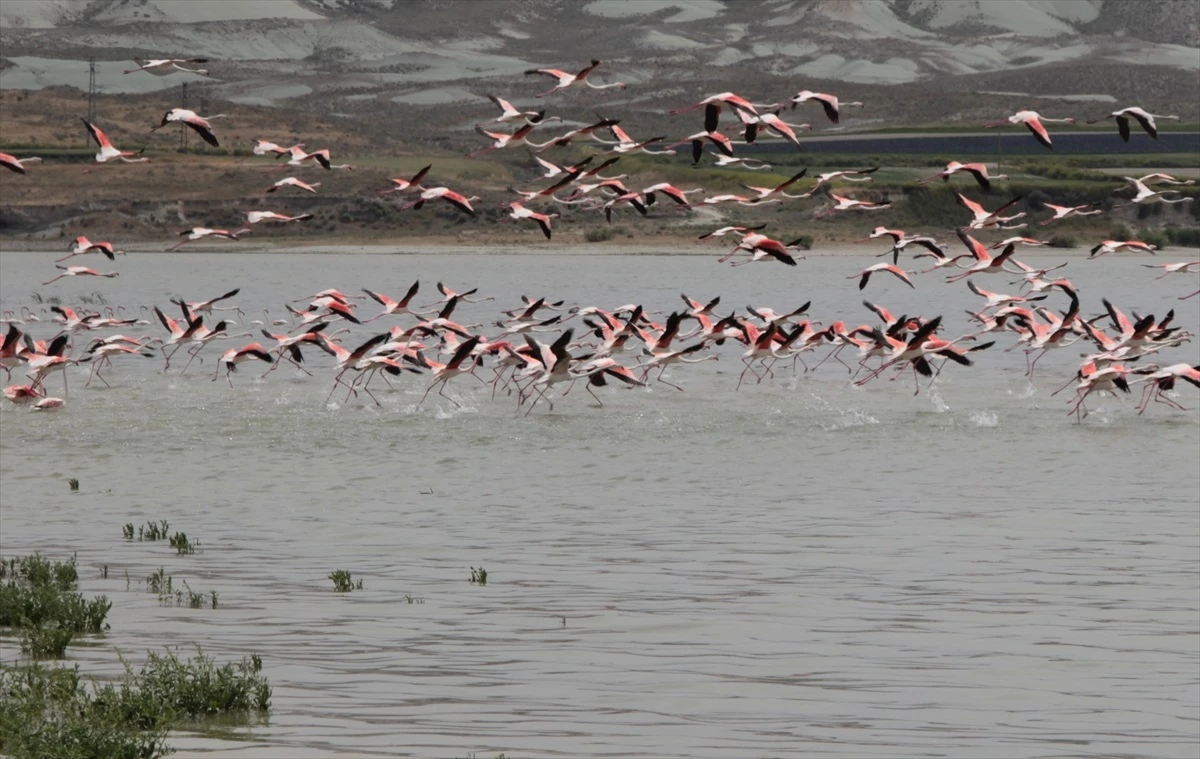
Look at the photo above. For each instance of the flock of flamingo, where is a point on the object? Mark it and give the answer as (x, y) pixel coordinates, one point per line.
(626, 345)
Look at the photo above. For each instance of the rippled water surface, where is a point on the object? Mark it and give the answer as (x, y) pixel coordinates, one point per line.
(799, 568)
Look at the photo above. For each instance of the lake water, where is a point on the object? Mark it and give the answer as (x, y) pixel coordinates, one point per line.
(798, 568)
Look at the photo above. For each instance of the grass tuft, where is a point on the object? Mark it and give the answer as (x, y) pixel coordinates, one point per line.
(479, 576)
(343, 582)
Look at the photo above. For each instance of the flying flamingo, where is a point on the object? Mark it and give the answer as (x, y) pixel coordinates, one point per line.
(900, 240)
(83, 245)
(722, 231)
(984, 218)
(394, 307)
(1031, 242)
(162, 66)
(1144, 118)
(199, 124)
(254, 217)
(1035, 122)
(400, 184)
(730, 99)
(107, 151)
(293, 182)
(849, 204)
(866, 273)
(1113, 246)
(723, 143)
(985, 263)
(1146, 195)
(977, 170)
(566, 80)
(78, 271)
(455, 199)
(198, 233)
(1000, 299)
(206, 306)
(12, 163)
(518, 211)
(1183, 267)
(263, 147)
(501, 140)
(1064, 212)
(829, 102)
(509, 113)
(764, 192)
(859, 175)
(597, 370)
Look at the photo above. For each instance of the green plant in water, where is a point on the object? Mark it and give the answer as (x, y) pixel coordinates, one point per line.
(343, 582)
(73, 484)
(479, 576)
(413, 599)
(159, 582)
(179, 541)
(38, 598)
(153, 530)
(127, 530)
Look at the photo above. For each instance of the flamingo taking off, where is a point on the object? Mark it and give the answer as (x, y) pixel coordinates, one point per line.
(107, 151)
(1035, 123)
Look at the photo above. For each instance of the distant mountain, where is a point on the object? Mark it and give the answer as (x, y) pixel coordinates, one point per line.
(429, 62)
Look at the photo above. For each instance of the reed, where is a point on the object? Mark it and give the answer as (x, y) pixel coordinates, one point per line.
(179, 541)
(479, 576)
(73, 484)
(343, 581)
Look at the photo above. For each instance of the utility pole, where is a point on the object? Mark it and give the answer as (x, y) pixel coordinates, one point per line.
(183, 126)
(92, 90)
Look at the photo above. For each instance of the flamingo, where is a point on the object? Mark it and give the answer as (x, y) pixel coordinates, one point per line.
(984, 218)
(254, 217)
(1035, 122)
(400, 184)
(742, 200)
(597, 370)
(722, 231)
(730, 99)
(199, 124)
(21, 394)
(772, 123)
(83, 245)
(49, 404)
(762, 248)
(160, 66)
(626, 144)
(455, 199)
(107, 151)
(263, 147)
(234, 356)
(829, 102)
(866, 273)
(849, 204)
(1064, 212)
(1143, 117)
(1031, 242)
(501, 140)
(1146, 195)
(723, 143)
(749, 164)
(985, 263)
(509, 113)
(1000, 299)
(101, 352)
(566, 80)
(394, 307)
(79, 271)
(764, 192)
(900, 240)
(12, 163)
(293, 182)
(1113, 246)
(1163, 381)
(206, 306)
(198, 233)
(518, 211)
(1164, 178)
(977, 170)
(180, 334)
(443, 373)
(858, 175)
(1183, 267)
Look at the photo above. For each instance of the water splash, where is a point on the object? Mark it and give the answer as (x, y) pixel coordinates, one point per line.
(984, 418)
(939, 404)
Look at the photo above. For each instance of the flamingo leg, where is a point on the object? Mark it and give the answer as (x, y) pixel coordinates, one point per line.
(668, 384)
(443, 394)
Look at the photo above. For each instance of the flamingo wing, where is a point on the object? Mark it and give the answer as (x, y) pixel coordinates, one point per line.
(1039, 131)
